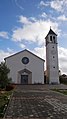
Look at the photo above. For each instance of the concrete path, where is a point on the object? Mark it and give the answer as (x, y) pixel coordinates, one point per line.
(36, 102)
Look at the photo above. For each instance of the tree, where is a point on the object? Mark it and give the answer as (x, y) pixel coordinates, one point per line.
(64, 75)
(63, 78)
(4, 80)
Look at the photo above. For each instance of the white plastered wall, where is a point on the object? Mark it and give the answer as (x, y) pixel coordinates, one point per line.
(35, 65)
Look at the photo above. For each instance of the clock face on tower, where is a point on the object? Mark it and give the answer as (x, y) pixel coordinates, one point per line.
(25, 60)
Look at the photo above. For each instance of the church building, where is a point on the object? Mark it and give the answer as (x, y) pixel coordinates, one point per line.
(25, 68)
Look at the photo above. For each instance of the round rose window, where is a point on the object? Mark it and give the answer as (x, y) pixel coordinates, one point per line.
(25, 60)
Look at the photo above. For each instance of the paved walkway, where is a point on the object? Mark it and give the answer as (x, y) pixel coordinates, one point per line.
(36, 102)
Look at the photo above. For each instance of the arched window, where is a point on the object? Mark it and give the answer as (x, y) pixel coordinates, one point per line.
(50, 38)
(54, 39)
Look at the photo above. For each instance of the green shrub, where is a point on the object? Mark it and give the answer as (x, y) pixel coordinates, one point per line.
(63, 80)
(1, 111)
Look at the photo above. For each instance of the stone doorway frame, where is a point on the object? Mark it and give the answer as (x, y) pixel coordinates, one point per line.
(24, 71)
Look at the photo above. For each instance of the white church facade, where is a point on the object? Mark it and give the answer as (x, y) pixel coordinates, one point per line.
(27, 68)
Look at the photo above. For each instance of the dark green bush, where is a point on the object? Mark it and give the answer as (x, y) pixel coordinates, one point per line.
(63, 79)
(1, 111)
(4, 80)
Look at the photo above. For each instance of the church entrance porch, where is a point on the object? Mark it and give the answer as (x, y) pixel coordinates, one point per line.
(24, 77)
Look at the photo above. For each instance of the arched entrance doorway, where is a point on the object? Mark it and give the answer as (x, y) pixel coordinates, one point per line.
(25, 76)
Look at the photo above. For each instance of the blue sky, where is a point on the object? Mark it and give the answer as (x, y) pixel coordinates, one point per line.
(25, 23)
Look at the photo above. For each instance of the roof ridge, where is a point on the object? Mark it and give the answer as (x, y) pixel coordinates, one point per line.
(23, 51)
(50, 32)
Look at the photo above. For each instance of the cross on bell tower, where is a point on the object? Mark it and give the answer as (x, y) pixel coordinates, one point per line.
(52, 58)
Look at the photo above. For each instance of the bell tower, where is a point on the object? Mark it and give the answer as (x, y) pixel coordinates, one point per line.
(52, 58)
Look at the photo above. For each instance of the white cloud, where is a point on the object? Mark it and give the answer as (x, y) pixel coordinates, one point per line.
(57, 5)
(43, 4)
(62, 18)
(22, 45)
(33, 31)
(44, 15)
(63, 59)
(33, 19)
(10, 50)
(24, 20)
(4, 34)
(3, 54)
(41, 52)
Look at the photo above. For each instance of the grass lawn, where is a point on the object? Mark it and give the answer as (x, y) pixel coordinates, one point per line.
(61, 91)
(4, 99)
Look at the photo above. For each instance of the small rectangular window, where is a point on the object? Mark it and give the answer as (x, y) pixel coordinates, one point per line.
(53, 57)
